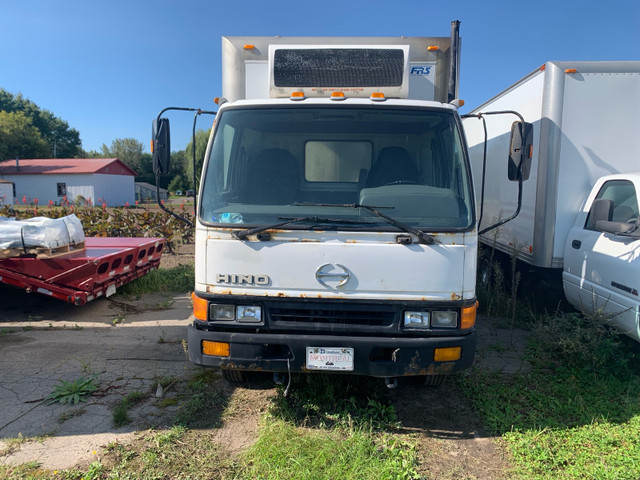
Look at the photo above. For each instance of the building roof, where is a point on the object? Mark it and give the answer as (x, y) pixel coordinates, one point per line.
(149, 186)
(63, 166)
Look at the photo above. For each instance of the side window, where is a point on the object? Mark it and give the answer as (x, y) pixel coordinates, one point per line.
(62, 189)
(619, 204)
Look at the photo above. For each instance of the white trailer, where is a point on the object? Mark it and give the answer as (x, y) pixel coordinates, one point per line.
(336, 226)
(586, 117)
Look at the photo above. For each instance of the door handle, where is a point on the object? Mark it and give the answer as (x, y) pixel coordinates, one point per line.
(576, 244)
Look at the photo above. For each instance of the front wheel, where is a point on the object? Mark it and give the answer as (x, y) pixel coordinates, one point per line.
(433, 380)
(233, 376)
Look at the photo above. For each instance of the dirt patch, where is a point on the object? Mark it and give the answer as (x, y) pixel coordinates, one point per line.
(241, 420)
(450, 439)
(183, 254)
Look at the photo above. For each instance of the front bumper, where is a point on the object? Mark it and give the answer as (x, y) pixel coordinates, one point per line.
(373, 355)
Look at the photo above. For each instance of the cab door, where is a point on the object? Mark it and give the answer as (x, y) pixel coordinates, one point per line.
(602, 257)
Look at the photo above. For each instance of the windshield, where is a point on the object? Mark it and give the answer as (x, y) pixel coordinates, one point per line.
(268, 165)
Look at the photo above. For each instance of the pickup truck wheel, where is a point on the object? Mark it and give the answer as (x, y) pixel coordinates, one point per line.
(433, 380)
(233, 376)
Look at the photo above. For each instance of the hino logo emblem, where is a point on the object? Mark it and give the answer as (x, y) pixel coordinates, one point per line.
(237, 279)
(331, 272)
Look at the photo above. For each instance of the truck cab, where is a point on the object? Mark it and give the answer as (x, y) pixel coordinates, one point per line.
(601, 258)
(336, 226)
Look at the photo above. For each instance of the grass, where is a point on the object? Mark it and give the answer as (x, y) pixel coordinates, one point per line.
(577, 413)
(176, 279)
(284, 451)
(121, 411)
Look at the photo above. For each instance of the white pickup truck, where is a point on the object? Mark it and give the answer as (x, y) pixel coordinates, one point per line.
(579, 208)
(602, 253)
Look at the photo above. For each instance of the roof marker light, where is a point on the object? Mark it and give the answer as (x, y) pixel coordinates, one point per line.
(433, 48)
(378, 97)
(249, 46)
(338, 96)
(570, 70)
(297, 96)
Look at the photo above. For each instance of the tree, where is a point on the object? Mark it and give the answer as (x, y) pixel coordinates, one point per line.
(202, 137)
(62, 141)
(129, 150)
(176, 184)
(20, 138)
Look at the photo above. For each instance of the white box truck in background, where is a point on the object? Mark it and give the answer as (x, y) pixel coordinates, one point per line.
(336, 227)
(574, 214)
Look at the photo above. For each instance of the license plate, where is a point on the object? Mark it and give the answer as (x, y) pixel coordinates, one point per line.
(330, 358)
(111, 289)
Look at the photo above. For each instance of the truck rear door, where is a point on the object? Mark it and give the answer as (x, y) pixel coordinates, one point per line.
(602, 258)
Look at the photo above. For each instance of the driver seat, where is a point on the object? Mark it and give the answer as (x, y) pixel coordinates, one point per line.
(394, 164)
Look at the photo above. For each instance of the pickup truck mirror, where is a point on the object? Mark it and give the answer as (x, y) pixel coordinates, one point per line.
(161, 146)
(520, 151)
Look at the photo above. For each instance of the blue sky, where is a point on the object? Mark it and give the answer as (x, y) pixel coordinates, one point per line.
(109, 67)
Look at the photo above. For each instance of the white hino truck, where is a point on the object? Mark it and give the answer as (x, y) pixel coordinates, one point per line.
(336, 223)
(579, 209)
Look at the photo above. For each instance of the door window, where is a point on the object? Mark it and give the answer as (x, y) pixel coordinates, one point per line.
(624, 202)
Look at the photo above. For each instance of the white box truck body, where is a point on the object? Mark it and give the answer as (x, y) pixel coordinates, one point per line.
(586, 117)
(336, 226)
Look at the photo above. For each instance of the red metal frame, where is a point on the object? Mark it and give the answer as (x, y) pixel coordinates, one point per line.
(84, 275)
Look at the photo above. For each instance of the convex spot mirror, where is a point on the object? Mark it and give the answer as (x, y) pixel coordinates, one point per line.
(520, 151)
(160, 146)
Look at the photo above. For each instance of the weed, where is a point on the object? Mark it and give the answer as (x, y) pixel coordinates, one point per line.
(177, 279)
(284, 451)
(575, 415)
(121, 411)
(582, 341)
(335, 401)
(72, 414)
(205, 402)
(74, 392)
(118, 319)
(6, 331)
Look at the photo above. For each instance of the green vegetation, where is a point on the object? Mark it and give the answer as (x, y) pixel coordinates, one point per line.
(176, 279)
(121, 412)
(99, 221)
(28, 131)
(73, 392)
(284, 451)
(577, 413)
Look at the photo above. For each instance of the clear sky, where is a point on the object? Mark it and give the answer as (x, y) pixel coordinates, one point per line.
(109, 67)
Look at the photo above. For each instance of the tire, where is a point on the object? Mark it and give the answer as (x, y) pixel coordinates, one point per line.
(433, 380)
(233, 376)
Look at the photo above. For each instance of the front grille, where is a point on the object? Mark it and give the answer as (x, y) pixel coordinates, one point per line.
(340, 316)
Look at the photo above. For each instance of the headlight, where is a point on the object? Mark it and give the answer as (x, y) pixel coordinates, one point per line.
(222, 311)
(249, 314)
(416, 319)
(444, 319)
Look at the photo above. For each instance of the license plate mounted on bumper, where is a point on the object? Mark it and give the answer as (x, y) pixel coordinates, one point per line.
(330, 359)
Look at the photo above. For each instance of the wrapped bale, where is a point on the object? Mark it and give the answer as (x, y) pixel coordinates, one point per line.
(40, 236)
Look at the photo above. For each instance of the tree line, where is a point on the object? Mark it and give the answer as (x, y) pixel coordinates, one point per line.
(28, 131)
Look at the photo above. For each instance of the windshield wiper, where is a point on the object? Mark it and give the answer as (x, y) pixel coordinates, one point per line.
(423, 237)
(242, 234)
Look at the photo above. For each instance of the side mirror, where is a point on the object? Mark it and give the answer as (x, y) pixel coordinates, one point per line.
(520, 151)
(161, 146)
